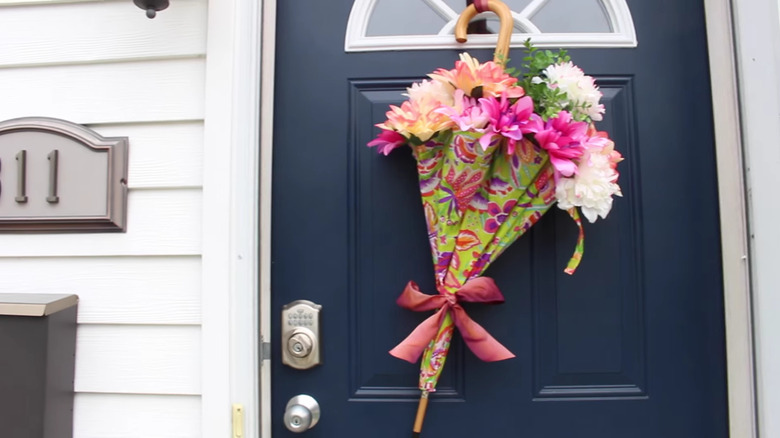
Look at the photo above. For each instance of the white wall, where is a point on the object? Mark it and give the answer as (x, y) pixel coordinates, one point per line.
(105, 65)
(758, 50)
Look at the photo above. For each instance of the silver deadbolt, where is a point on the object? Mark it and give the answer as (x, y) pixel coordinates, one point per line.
(301, 334)
(300, 344)
(302, 413)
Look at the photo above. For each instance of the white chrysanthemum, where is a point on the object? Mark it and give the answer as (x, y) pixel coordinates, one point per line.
(580, 89)
(591, 188)
(430, 93)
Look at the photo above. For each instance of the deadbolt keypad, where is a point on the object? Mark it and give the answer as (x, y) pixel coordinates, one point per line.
(300, 318)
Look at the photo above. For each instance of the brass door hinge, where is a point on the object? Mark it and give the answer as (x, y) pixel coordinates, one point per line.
(238, 420)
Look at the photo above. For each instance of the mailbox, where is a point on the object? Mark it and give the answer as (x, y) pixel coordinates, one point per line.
(37, 362)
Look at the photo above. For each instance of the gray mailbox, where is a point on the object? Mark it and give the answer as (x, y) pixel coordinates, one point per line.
(37, 349)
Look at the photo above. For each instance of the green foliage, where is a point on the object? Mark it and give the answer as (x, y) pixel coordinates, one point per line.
(501, 59)
(414, 140)
(445, 137)
(537, 60)
(549, 101)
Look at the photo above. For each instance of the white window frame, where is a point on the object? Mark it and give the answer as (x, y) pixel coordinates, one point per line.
(356, 40)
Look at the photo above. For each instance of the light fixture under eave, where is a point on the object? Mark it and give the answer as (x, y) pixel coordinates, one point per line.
(151, 6)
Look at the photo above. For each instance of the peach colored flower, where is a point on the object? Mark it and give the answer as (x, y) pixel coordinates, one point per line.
(431, 93)
(416, 118)
(469, 74)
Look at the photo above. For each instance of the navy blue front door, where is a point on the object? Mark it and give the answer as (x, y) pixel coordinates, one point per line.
(631, 346)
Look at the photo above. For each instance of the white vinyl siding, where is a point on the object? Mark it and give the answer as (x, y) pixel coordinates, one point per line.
(169, 90)
(99, 32)
(138, 359)
(155, 290)
(126, 416)
(160, 222)
(105, 65)
(178, 164)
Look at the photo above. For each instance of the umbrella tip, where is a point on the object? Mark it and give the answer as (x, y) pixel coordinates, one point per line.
(415, 434)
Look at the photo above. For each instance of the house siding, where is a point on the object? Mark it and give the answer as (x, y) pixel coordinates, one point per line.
(757, 25)
(103, 64)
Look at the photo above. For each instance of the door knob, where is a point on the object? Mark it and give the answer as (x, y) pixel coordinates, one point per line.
(302, 413)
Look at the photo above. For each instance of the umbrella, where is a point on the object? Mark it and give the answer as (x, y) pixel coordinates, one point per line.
(488, 169)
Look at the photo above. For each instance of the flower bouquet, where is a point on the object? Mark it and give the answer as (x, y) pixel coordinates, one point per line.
(495, 149)
(546, 114)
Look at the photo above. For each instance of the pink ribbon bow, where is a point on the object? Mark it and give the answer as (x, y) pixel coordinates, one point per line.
(476, 290)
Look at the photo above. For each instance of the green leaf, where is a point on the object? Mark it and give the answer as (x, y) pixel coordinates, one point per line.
(414, 140)
(446, 137)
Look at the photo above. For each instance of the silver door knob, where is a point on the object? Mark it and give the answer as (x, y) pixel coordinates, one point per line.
(302, 413)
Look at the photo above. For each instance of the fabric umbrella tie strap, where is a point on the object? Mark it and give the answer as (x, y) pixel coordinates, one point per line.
(477, 290)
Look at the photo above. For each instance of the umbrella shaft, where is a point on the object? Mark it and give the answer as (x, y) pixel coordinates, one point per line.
(418, 420)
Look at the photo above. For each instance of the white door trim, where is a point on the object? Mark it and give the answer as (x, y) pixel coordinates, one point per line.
(734, 228)
(266, 156)
(237, 119)
(230, 233)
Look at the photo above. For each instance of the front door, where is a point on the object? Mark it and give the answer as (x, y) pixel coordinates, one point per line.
(632, 345)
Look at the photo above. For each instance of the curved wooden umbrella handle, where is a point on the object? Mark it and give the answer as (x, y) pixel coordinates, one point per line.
(504, 34)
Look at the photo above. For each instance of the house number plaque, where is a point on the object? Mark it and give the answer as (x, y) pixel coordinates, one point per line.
(59, 176)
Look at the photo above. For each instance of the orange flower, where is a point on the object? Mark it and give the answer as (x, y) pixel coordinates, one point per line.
(469, 74)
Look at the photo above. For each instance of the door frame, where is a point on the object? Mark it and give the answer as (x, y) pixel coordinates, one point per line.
(241, 48)
(240, 52)
(733, 211)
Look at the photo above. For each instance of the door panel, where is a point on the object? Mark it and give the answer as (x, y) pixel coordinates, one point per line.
(631, 345)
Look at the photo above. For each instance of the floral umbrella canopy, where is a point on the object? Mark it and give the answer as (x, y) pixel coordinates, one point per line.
(493, 155)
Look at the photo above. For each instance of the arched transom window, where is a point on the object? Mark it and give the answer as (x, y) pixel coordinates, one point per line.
(429, 24)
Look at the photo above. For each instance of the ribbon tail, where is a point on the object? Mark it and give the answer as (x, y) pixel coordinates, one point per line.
(580, 248)
(411, 348)
(484, 346)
